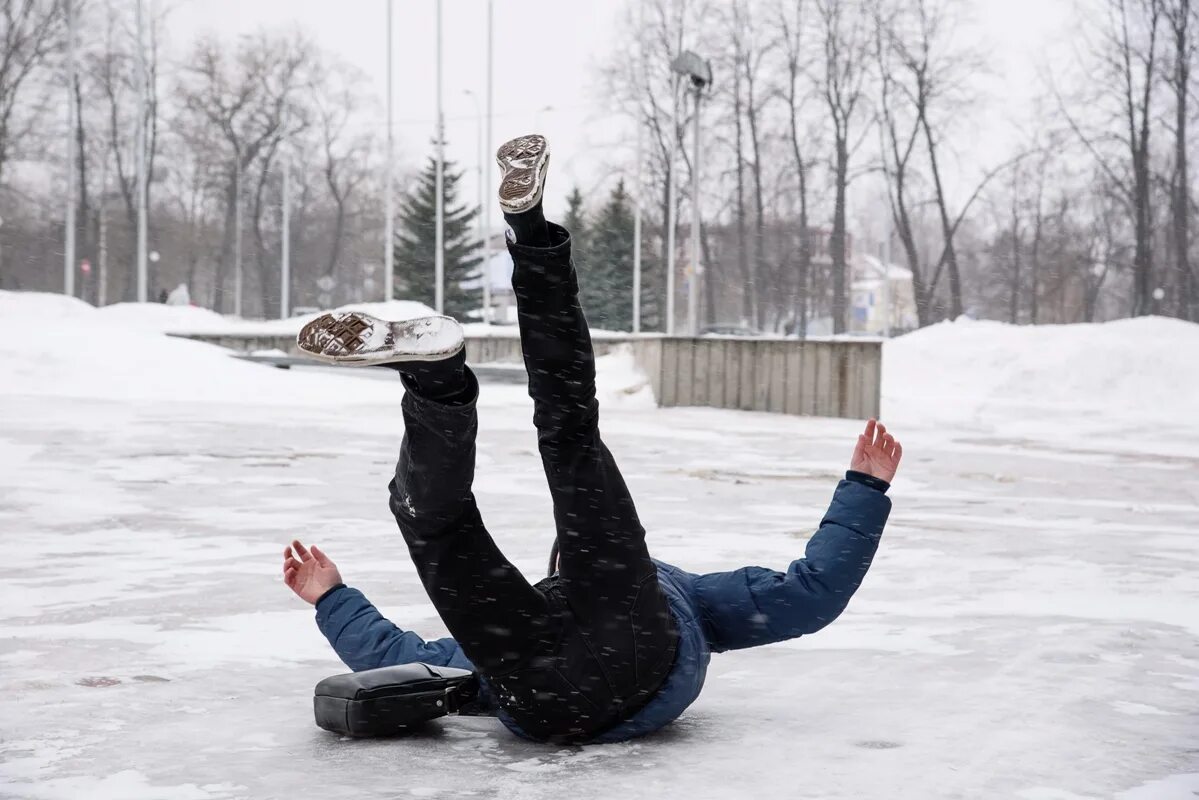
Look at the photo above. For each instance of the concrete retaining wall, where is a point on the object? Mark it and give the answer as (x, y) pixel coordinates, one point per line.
(784, 376)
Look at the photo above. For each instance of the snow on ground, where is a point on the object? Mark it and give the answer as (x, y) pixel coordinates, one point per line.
(1029, 629)
(1137, 377)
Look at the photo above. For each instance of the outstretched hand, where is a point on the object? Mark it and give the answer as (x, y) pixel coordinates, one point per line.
(308, 574)
(877, 452)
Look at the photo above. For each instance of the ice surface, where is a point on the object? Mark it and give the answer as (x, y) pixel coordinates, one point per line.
(1029, 628)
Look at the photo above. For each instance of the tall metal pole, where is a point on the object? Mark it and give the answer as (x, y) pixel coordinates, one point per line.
(102, 266)
(237, 234)
(388, 191)
(886, 248)
(68, 255)
(484, 212)
(479, 192)
(670, 223)
(639, 189)
(439, 254)
(142, 85)
(693, 285)
(285, 245)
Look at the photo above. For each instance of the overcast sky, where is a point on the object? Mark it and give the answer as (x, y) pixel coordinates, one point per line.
(546, 56)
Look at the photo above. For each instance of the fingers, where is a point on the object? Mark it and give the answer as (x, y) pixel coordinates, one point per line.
(859, 450)
(301, 551)
(321, 558)
(898, 453)
(289, 577)
(880, 435)
(868, 435)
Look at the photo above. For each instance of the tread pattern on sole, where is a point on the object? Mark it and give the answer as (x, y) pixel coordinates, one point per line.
(336, 336)
(524, 161)
(356, 338)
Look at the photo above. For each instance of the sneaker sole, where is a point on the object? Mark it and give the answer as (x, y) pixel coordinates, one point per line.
(356, 339)
(523, 162)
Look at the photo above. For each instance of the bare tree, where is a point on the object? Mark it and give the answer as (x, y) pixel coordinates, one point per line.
(897, 146)
(1126, 58)
(245, 98)
(345, 152)
(751, 54)
(30, 32)
(845, 29)
(113, 72)
(792, 24)
(1179, 16)
(749, 296)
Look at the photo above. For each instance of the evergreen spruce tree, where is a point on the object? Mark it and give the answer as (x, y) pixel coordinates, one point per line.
(575, 222)
(606, 278)
(653, 285)
(416, 244)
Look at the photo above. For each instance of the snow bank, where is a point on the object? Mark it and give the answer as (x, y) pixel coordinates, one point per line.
(161, 318)
(190, 319)
(1135, 370)
(619, 380)
(52, 345)
(1136, 373)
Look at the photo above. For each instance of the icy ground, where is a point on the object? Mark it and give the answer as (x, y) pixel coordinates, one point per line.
(1030, 628)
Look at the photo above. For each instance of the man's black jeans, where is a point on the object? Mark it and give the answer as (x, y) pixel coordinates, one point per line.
(578, 652)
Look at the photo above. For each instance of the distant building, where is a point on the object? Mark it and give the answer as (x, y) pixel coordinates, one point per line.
(881, 294)
(498, 273)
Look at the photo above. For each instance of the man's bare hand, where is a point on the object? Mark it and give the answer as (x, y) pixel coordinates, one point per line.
(308, 574)
(877, 452)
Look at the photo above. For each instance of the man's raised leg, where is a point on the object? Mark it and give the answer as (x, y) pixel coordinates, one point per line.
(606, 572)
(488, 606)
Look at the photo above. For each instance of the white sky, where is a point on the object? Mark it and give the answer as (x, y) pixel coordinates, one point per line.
(546, 55)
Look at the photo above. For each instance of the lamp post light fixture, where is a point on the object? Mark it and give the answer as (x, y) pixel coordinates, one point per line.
(699, 71)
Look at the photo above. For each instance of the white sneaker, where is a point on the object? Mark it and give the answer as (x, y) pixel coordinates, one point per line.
(523, 165)
(356, 339)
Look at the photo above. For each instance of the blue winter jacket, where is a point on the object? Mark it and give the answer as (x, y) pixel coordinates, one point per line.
(719, 611)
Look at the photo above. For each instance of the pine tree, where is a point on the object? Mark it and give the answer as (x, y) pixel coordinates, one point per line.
(606, 279)
(575, 222)
(416, 244)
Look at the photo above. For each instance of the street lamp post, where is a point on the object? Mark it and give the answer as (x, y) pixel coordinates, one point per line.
(485, 272)
(237, 277)
(671, 181)
(142, 102)
(486, 216)
(389, 180)
(699, 71)
(68, 265)
(639, 188)
(285, 244)
(439, 254)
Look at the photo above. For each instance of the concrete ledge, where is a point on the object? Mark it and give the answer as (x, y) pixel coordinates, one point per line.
(839, 377)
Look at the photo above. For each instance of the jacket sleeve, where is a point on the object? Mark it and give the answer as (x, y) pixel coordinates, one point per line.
(365, 639)
(753, 605)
